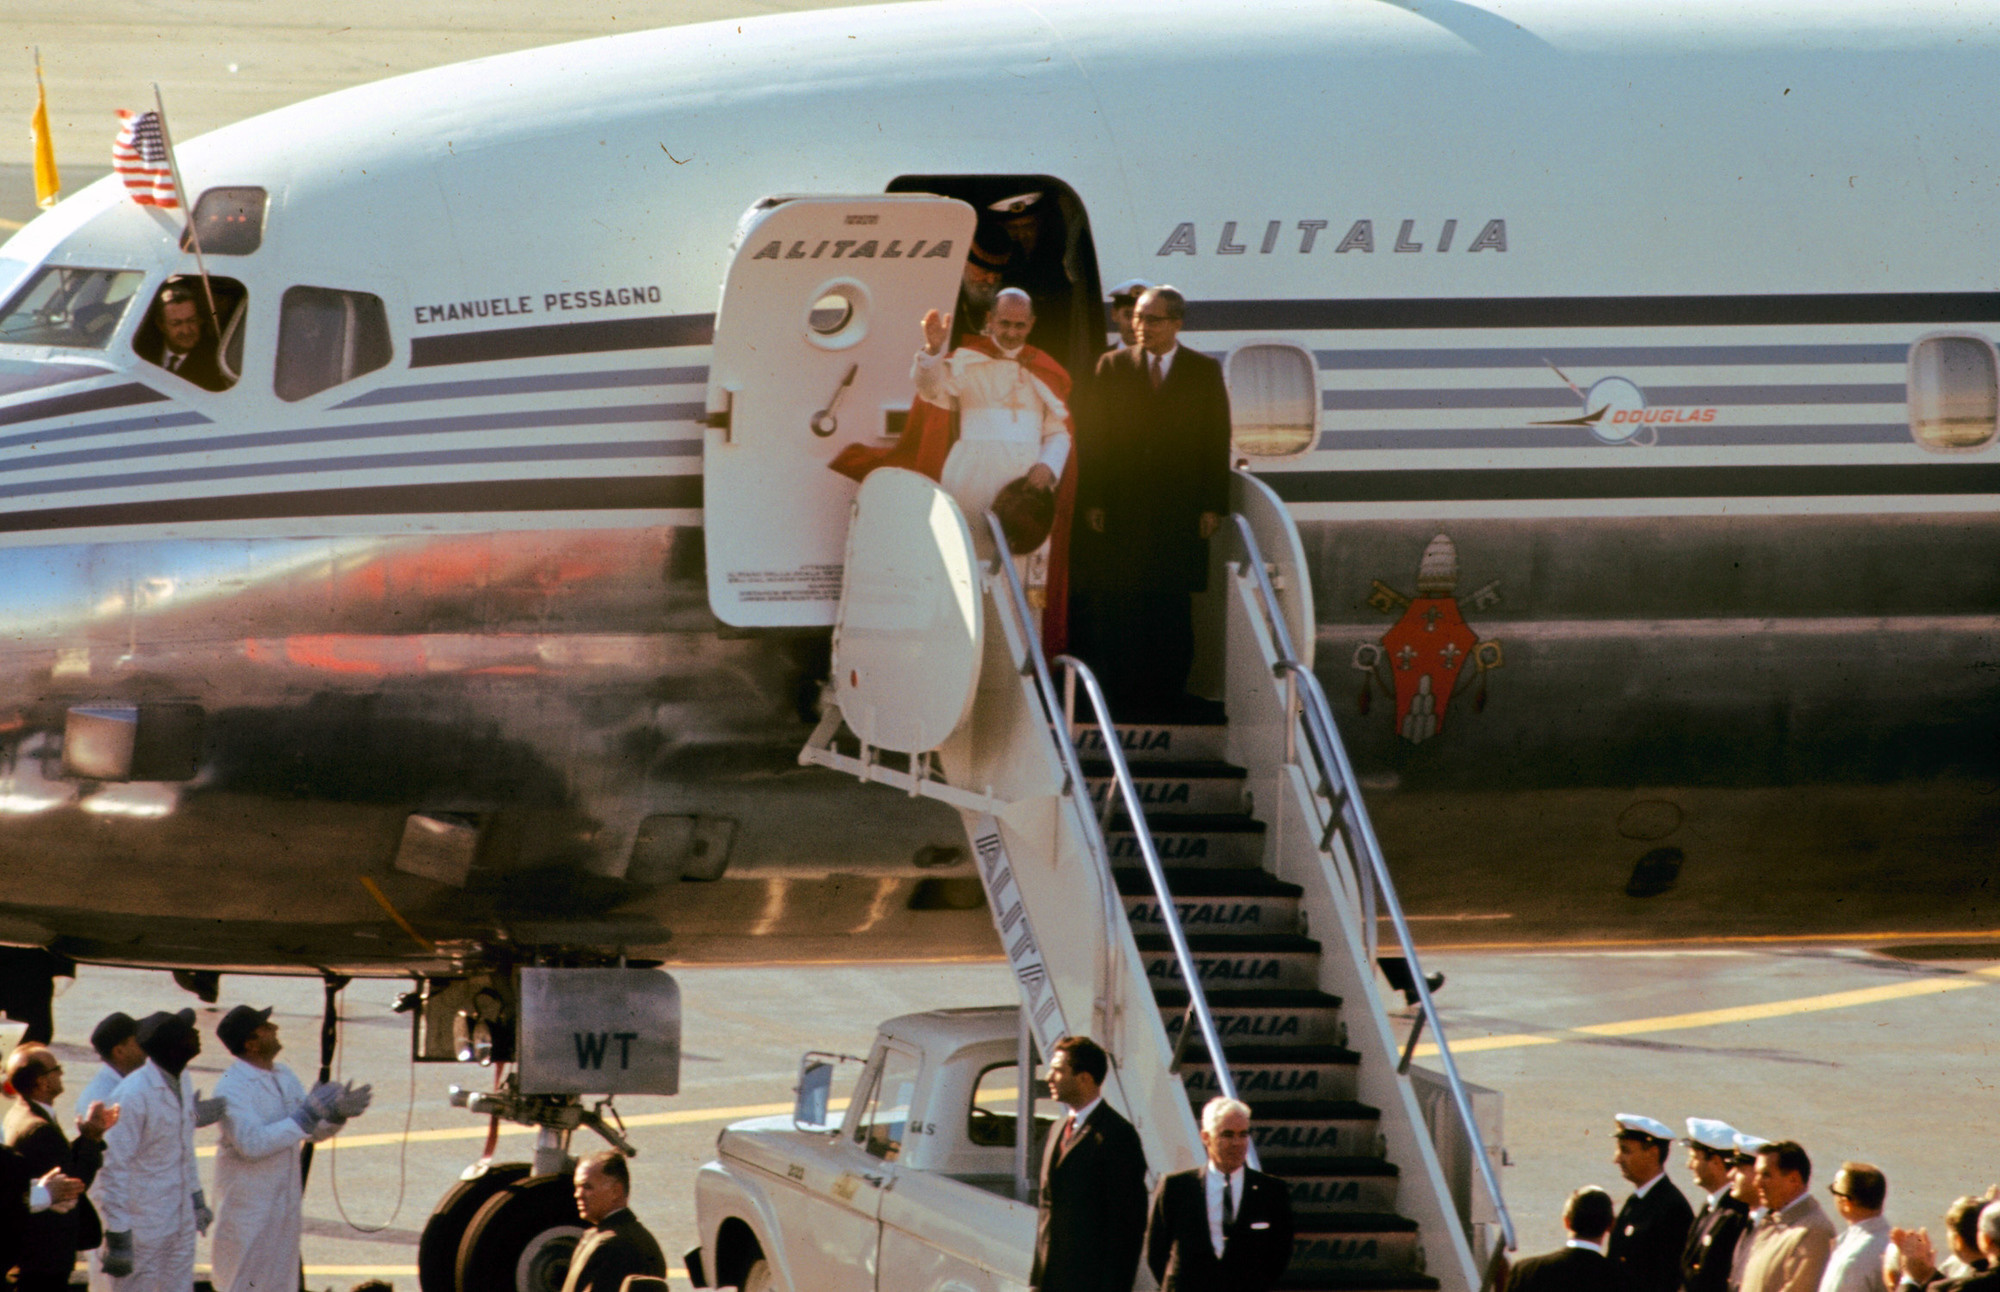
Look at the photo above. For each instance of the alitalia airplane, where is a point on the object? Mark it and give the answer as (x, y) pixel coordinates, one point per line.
(1641, 355)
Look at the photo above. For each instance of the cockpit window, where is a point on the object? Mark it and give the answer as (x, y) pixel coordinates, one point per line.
(69, 307)
(230, 222)
(186, 338)
(326, 337)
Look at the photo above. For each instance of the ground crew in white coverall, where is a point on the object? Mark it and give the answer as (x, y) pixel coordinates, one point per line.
(257, 1184)
(148, 1192)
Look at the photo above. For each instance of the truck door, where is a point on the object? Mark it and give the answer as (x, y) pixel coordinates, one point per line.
(814, 336)
(839, 1203)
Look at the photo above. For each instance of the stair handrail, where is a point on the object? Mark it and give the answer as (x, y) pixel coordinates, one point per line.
(1060, 715)
(1323, 736)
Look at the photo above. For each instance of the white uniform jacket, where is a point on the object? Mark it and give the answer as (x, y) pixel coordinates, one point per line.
(149, 1179)
(257, 1186)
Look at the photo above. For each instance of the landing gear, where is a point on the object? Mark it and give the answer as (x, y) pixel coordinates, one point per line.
(437, 1251)
(522, 1238)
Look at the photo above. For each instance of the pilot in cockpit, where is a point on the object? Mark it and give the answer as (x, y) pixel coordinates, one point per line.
(180, 339)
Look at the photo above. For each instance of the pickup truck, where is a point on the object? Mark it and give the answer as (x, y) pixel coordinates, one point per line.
(915, 1189)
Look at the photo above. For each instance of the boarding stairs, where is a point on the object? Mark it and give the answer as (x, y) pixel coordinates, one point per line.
(1182, 892)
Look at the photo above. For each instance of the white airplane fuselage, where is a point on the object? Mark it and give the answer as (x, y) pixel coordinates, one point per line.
(1630, 307)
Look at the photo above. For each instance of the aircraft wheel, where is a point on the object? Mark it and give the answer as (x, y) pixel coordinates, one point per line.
(437, 1250)
(522, 1238)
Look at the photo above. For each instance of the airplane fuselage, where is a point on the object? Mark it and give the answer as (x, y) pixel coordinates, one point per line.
(1635, 470)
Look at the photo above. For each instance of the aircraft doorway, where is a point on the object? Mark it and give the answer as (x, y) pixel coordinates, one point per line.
(1039, 227)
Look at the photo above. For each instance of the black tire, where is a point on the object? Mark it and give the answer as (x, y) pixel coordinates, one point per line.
(437, 1250)
(521, 1240)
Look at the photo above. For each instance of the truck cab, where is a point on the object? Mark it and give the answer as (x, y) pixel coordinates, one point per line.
(915, 1185)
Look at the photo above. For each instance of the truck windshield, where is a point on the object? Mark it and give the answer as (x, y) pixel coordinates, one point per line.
(64, 306)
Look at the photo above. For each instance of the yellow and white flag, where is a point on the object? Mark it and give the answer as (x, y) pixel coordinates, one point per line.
(48, 184)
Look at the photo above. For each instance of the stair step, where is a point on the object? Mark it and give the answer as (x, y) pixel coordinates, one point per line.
(1226, 839)
(1264, 1073)
(1244, 913)
(1354, 1242)
(1151, 743)
(1321, 1184)
(1319, 1281)
(1235, 960)
(1202, 785)
(1207, 881)
(1259, 1017)
(1315, 1129)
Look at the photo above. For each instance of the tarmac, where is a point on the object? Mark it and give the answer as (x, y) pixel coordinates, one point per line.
(1856, 1055)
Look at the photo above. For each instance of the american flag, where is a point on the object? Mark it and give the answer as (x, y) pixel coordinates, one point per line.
(140, 158)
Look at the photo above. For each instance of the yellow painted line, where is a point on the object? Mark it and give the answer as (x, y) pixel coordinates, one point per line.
(1739, 939)
(1731, 1014)
(477, 1130)
(12, 224)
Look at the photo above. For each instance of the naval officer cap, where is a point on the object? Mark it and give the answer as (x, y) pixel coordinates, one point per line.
(1710, 1134)
(1751, 1145)
(1129, 290)
(1636, 1126)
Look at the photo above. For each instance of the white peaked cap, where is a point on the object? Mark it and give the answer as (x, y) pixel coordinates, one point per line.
(1751, 1143)
(1715, 1136)
(1644, 1126)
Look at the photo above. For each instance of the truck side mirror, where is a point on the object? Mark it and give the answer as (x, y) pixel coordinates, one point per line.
(814, 1088)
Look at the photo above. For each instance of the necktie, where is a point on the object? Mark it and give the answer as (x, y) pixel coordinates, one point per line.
(1158, 376)
(1228, 1206)
(1070, 1132)
(174, 364)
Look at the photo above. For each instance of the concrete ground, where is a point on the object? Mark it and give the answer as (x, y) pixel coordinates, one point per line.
(1854, 1054)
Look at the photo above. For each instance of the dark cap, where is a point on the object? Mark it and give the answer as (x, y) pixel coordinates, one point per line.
(991, 247)
(239, 1025)
(154, 1027)
(114, 1030)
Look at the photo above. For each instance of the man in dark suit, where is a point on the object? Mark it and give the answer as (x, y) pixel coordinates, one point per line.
(1091, 1217)
(617, 1245)
(1651, 1230)
(1710, 1251)
(1221, 1227)
(1581, 1265)
(179, 340)
(51, 1239)
(1152, 487)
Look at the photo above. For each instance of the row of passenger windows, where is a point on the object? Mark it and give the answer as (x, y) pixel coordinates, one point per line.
(1954, 396)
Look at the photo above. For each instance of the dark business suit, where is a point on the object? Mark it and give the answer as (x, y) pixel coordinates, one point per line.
(1648, 1238)
(199, 365)
(1091, 1219)
(51, 1239)
(1710, 1252)
(14, 1182)
(612, 1250)
(1573, 1269)
(1152, 461)
(1255, 1248)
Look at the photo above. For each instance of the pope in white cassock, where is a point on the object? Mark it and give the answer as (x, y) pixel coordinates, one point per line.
(257, 1182)
(1011, 422)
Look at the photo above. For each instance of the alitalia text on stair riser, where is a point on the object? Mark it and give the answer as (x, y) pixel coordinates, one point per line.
(1320, 1081)
(1305, 1027)
(1246, 971)
(1257, 915)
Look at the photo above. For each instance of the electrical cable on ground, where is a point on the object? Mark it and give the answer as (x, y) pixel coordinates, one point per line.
(402, 1155)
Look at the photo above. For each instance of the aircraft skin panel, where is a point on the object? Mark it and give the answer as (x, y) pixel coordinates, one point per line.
(1619, 306)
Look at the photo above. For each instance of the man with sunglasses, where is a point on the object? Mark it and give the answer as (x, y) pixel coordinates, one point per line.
(1152, 488)
(1859, 1190)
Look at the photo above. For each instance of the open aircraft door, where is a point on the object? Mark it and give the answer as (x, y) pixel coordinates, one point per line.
(819, 319)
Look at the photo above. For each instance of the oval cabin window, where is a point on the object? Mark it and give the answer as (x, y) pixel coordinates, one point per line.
(326, 337)
(1954, 393)
(1273, 400)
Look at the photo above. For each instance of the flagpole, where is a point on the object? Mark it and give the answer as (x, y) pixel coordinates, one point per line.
(180, 191)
